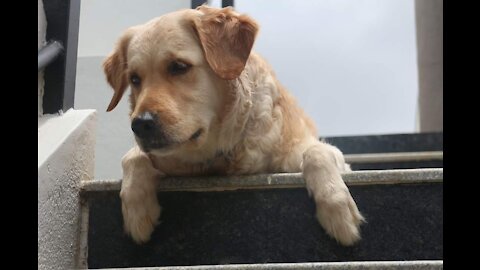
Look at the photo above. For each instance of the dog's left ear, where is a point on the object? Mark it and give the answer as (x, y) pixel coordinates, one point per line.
(227, 39)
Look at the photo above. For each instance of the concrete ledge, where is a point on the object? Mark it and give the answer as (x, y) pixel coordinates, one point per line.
(54, 130)
(281, 180)
(65, 158)
(387, 265)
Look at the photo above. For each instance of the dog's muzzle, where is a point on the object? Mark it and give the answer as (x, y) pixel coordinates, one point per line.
(149, 132)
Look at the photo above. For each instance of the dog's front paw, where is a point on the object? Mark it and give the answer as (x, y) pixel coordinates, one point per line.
(339, 216)
(140, 216)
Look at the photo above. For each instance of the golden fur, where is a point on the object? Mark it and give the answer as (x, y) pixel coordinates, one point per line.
(250, 123)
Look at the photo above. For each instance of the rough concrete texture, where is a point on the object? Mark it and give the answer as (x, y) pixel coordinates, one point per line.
(393, 265)
(42, 29)
(276, 180)
(55, 129)
(65, 155)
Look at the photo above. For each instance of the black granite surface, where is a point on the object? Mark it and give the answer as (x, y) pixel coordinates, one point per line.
(388, 143)
(405, 222)
(398, 165)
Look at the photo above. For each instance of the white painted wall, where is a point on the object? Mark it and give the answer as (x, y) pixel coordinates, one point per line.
(350, 63)
(114, 136)
(102, 22)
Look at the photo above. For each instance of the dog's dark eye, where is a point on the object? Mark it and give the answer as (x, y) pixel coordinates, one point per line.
(178, 68)
(135, 80)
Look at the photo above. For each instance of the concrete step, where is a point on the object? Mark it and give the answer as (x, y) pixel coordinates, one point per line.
(262, 219)
(422, 148)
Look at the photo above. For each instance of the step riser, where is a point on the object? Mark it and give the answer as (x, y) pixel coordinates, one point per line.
(268, 219)
(390, 143)
(405, 222)
(397, 165)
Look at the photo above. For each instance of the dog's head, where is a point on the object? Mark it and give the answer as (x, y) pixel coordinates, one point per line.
(177, 67)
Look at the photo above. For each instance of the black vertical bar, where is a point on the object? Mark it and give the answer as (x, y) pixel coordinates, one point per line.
(226, 3)
(62, 24)
(196, 3)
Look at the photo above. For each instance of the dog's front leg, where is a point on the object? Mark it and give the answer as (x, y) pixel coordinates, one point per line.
(336, 210)
(140, 207)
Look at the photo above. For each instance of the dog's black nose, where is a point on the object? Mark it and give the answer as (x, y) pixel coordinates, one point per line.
(145, 125)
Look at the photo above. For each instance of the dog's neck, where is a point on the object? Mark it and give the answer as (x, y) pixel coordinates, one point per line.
(239, 106)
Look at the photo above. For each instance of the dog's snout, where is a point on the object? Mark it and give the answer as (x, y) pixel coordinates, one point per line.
(145, 125)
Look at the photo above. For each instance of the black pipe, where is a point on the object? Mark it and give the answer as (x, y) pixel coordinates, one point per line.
(47, 54)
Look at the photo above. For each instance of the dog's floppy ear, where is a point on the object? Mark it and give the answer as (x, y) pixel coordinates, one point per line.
(115, 67)
(227, 39)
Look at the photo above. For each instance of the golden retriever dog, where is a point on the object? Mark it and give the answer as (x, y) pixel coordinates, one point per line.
(203, 103)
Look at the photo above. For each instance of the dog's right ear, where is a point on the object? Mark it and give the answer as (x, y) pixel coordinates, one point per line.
(115, 67)
(227, 39)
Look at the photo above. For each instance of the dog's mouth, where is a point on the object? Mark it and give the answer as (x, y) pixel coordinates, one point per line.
(165, 145)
